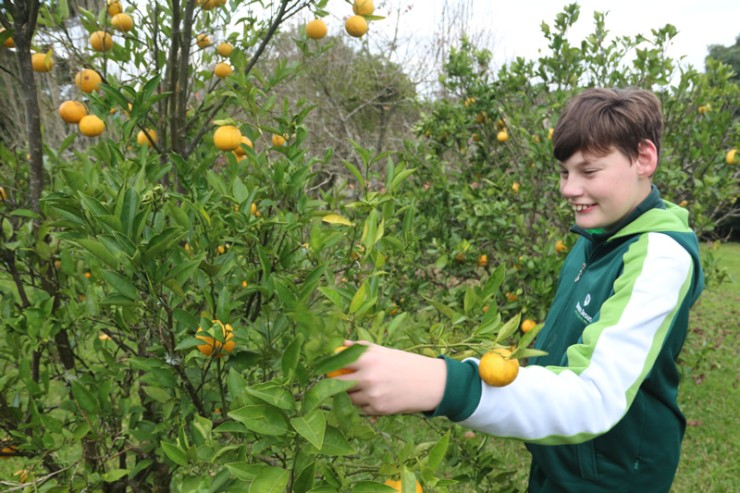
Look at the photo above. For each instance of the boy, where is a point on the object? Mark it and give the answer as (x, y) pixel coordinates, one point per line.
(599, 412)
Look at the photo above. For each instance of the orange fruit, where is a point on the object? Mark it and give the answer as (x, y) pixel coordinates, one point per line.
(8, 43)
(142, 140)
(356, 26)
(253, 210)
(316, 29)
(497, 368)
(212, 347)
(502, 136)
(42, 62)
(393, 483)
(731, 157)
(512, 297)
(528, 325)
(239, 151)
(560, 246)
(91, 126)
(224, 49)
(341, 371)
(88, 80)
(227, 137)
(114, 7)
(122, 22)
(483, 260)
(363, 7)
(278, 140)
(72, 111)
(101, 41)
(203, 40)
(223, 70)
(515, 187)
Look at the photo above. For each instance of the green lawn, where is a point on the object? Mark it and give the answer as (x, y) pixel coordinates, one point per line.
(709, 392)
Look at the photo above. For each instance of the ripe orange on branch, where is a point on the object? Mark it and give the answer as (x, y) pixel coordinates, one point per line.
(91, 126)
(224, 49)
(398, 485)
(42, 62)
(101, 41)
(72, 111)
(316, 29)
(213, 347)
(122, 22)
(227, 138)
(356, 26)
(141, 137)
(88, 80)
(363, 7)
(223, 70)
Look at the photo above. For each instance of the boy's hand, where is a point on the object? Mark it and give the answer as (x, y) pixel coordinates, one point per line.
(390, 381)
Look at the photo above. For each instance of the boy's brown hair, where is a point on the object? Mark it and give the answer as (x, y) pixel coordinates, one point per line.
(600, 118)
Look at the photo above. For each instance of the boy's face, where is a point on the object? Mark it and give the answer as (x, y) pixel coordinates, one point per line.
(602, 189)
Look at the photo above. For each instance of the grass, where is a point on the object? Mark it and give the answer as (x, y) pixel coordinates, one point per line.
(709, 394)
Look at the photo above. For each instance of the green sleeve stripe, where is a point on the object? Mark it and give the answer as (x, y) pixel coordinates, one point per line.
(462, 390)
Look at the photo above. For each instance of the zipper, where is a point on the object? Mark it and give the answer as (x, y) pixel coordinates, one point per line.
(580, 272)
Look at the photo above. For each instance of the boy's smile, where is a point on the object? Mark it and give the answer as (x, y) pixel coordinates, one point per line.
(603, 189)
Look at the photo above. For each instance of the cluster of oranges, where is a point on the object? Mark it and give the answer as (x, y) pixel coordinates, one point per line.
(355, 25)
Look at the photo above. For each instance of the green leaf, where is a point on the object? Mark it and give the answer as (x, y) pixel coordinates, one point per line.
(511, 326)
(356, 173)
(444, 309)
(333, 295)
(336, 219)
(261, 418)
(292, 354)
(359, 298)
(273, 394)
(97, 249)
(121, 284)
(312, 427)
(323, 390)
(175, 453)
(84, 397)
(114, 475)
(494, 281)
(437, 453)
(335, 444)
(163, 241)
(372, 487)
(270, 480)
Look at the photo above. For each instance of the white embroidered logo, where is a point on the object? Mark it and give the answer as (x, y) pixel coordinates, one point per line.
(587, 300)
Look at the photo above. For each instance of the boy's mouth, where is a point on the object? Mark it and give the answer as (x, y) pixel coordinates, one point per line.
(582, 207)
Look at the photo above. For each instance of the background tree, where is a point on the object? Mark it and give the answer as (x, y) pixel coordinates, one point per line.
(729, 55)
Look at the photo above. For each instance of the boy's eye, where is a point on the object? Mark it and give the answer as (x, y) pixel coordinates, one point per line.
(563, 173)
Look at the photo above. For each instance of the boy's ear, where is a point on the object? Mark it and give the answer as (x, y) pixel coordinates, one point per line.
(647, 158)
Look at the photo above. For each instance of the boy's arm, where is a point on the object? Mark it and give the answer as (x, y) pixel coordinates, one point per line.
(586, 398)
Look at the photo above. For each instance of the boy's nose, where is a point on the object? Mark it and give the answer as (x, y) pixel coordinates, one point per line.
(570, 187)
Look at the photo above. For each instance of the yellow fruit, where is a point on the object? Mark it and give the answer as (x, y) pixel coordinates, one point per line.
(560, 246)
(42, 62)
(224, 49)
(483, 260)
(500, 124)
(363, 7)
(356, 26)
(239, 151)
(468, 102)
(502, 136)
(704, 109)
(203, 40)
(223, 70)
(341, 371)
(398, 485)
(316, 29)
(141, 137)
(245, 284)
(512, 297)
(528, 325)
(515, 187)
(497, 368)
(114, 7)
(550, 132)
(101, 41)
(480, 117)
(8, 43)
(88, 80)
(227, 138)
(122, 22)
(683, 203)
(91, 126)
(731, 157)
(278, 140)
(212, 347)
(253, 209)
(72, 111)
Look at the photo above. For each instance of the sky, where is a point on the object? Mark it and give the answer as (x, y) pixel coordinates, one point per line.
(514, 26)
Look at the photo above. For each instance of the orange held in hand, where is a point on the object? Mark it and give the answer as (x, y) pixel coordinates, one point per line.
(497, 368)
(341, 371)
(215, 348)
